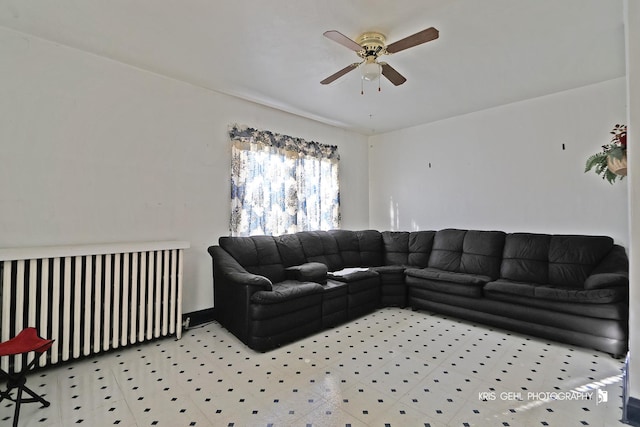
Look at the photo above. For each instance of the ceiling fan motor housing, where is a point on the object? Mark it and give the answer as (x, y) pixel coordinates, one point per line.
(373, 44)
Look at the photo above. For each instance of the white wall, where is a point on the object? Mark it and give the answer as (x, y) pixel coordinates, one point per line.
(97, 151)
(632, 9)
(504, 168)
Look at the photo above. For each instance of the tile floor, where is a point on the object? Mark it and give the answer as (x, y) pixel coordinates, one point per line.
(393, 367)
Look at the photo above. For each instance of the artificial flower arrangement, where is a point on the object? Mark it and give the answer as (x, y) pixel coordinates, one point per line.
(611, 162)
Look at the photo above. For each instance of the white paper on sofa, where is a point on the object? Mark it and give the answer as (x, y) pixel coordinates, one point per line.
(347, 271)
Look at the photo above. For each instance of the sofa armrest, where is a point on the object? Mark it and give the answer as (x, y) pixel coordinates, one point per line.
(308, 272)
(612, 271)
(233, 287)
(227, 269)
(606, 280)
(248, 279)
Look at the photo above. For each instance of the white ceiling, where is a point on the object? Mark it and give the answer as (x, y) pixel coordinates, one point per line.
(490, 52)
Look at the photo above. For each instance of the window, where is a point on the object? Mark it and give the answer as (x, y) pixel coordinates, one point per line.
(281, 184)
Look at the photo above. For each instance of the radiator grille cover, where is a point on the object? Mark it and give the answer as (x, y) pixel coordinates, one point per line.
(94, 302)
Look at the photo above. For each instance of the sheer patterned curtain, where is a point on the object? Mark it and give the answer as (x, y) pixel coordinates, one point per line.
(281, 184)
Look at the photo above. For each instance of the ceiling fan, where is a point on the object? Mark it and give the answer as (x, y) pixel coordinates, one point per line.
(370, 46)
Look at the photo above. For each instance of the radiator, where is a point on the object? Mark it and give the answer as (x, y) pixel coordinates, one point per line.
(91, 298)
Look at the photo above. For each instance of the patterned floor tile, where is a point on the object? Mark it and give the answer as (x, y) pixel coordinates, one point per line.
(393, 367)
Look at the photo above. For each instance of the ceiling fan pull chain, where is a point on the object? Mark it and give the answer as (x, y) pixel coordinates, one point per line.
(361, 86)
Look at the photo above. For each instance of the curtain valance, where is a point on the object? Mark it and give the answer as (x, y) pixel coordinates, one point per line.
(299, 146)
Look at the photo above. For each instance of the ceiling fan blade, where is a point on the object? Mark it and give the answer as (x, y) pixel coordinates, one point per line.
(340, 73)
(392, 75)
(338, 37)
(414, 40)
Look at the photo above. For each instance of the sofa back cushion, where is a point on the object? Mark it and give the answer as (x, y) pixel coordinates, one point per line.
(482, 253)
(573, 258)
(320, 246)
(396, 247)
(526, 258)
(257, 254)
(420, 244)
(370, 247)
(290, 249)
(349, 247)
(407, 248)
(446, 252)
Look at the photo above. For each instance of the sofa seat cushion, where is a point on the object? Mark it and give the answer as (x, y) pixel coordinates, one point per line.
(448, 276)
(389, 269)
(469, 285)
(555, 293)
(287, 290)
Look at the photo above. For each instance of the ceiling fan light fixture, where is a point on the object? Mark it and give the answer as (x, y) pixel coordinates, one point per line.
(370, 70)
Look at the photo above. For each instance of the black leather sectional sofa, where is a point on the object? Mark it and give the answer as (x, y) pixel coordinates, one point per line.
(270, 290)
